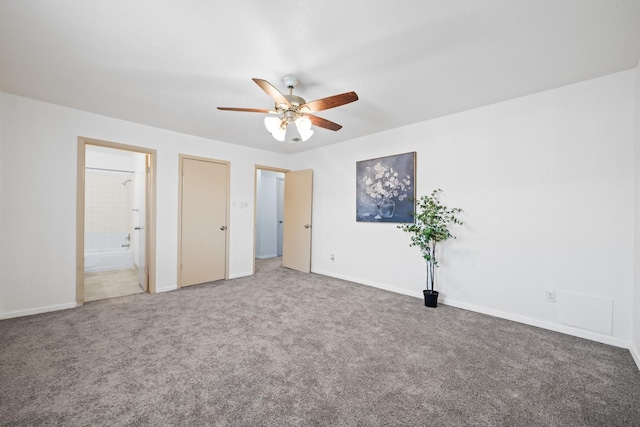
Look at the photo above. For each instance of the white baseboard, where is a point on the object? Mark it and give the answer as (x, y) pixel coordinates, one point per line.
(556, 327)
(636, 355)
(370, 283)
(569, 330)
(565, 329)
(37, 310)
(266, 256)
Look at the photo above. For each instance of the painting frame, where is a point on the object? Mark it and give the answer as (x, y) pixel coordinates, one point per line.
(385, 188)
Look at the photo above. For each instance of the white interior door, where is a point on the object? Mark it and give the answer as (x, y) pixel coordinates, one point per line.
(280, 214)
(140, 221)
(203, 221)
(296, 250)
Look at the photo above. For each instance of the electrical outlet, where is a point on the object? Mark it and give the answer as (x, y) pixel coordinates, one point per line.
(551, 296)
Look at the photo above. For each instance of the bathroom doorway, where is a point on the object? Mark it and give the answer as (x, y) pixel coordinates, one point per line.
(115, 189)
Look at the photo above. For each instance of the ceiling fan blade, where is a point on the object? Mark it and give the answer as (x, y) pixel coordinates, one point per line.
(324, 123)
(272, 92)
(330, 102)
(247, 110)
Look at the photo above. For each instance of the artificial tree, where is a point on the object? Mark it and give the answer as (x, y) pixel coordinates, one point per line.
(432, 223)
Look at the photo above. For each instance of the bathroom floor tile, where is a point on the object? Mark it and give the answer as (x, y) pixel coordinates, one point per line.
(110, 284)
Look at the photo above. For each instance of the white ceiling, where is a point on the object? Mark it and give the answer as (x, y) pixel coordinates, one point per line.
(169, 63)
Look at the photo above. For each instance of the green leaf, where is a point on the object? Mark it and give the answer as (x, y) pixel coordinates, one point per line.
(431, 225)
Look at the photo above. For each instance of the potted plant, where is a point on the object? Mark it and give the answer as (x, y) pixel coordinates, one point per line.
(432, 222)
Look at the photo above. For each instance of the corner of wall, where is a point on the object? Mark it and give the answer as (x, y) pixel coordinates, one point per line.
(635, 328)
(636, 355)
(2, 244)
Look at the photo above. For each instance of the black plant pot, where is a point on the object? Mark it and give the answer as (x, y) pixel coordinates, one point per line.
(430, 298)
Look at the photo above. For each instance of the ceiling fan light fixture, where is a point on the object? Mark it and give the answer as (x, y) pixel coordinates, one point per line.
(303, 124)
(293, 108)
(275, 127)
(306, 134)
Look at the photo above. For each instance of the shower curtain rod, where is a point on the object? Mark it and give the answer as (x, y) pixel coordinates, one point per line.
(110, 170)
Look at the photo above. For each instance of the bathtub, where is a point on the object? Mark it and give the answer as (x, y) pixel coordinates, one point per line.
(107, 259)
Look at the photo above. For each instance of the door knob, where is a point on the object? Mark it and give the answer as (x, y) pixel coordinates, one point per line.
(138, 228)
(224, 227)
(307, 226)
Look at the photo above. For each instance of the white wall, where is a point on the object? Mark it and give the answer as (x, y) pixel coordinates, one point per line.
(38, 192)
(546, 185)
(635, 350)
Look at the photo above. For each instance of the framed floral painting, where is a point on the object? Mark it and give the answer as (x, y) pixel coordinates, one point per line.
(385, 188)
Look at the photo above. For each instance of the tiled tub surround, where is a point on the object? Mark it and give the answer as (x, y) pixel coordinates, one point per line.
(108, 220)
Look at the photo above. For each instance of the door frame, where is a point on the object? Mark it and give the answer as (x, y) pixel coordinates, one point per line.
(255, 206)
(182, 157)
(151, 194)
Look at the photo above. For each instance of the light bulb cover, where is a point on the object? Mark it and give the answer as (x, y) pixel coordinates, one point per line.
(303, 124)
(272, 123)
(274, 126)
(305, 134)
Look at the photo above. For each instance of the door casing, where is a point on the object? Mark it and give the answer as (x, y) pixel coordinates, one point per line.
(151, 194)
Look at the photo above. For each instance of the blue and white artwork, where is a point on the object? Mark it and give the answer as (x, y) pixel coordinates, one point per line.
(385, 188)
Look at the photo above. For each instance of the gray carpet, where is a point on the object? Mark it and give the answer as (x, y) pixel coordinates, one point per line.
(284, 348)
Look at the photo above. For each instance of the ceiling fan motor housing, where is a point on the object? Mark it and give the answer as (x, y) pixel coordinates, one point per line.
(295, 100)
(291, 112)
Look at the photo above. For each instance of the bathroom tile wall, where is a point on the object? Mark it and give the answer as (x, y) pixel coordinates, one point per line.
(108, 208)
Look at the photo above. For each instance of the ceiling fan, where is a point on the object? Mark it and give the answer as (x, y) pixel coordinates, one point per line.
(293, 109)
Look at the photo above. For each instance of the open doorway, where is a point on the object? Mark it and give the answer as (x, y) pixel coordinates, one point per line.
(269, 212)
(283, 227)
(115, 217)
